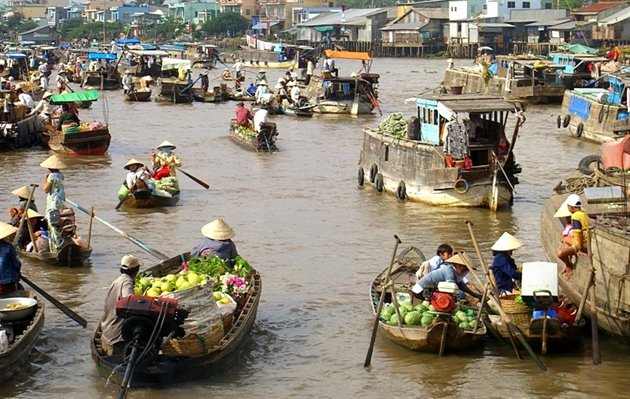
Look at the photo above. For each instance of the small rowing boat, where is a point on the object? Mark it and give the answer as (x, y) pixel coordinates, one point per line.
(263, 141)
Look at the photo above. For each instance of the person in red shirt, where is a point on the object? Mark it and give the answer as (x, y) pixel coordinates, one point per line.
(243, 116)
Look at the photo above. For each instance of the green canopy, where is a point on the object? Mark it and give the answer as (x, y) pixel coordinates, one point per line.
(76, 97)
(578, 49)
(324, 28)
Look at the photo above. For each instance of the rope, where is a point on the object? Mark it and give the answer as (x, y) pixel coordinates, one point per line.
(576, 185)
(612, 180)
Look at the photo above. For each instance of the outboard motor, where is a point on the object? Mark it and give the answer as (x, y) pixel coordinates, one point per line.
(440, 296)
(147, 320)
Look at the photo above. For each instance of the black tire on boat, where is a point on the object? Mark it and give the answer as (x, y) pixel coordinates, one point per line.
(586, 164)
(401, 191)
(600, 116)
(566, 120)
(361, 176)
(580, 130)
(378, 182)
(373, 172)
(559, 121)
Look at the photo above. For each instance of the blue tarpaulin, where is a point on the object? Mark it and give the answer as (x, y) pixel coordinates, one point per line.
(127, 42)
(580, 107)
(102, 56)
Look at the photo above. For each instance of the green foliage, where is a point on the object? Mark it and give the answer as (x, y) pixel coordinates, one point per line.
(93, 30)
(224, 22)
(168, 29)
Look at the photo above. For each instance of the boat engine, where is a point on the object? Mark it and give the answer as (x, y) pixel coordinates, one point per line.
(147, 320)
(440, 296)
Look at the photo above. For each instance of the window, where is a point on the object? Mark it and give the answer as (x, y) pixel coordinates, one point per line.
(511, 4)
(548, 6)
(526, 4)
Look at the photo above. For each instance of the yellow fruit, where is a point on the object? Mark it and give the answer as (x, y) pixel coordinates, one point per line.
(217, 296)
(171, 278)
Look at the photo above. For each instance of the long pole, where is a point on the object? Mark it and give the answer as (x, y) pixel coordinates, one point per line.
(368, 357)
(25, 214)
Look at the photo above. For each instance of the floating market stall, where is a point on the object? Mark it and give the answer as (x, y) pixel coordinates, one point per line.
(174, 85)
(263, 141)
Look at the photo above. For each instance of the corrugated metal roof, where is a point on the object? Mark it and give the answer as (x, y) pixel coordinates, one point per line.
(494, 25)
(405, 26)
(352, 17)
(549, 23)
(472, 102)
(597, 7)
(570, 25)
(619, 16)
(522, 16)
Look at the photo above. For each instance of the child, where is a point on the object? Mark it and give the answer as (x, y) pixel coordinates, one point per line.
(444, 252)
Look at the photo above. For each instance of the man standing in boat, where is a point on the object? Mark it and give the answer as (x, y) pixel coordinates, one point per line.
(111, 325)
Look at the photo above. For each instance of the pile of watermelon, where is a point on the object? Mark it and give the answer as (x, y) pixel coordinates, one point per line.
(424, 315)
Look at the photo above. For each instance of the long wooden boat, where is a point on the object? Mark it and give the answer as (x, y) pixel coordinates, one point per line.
(86, 139)
(516, 78)
(419, 338)
(261, 54)
(174, 91)
(25, 334)
(102, 79)
(165, 369)
(68, 253)
(265, 141)
(597, 114)
(138, 95)
(354, 95)
(305, 112)
(20, 132)
(144, 198)
(415, 164)
(610, 251)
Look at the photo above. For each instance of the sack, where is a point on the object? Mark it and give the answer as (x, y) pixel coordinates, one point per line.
(204, 312)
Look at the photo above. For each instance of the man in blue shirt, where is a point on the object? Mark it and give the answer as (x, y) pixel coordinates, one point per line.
(453, 269)
(443, 252)
(9, 263)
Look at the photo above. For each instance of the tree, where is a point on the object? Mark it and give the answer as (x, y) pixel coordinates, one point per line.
(94, 30)
(235, 23)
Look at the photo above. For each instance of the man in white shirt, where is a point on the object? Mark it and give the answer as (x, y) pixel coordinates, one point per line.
(24, 98)
(310, 69)
(295, 93)
(238, 67)
(260, 117)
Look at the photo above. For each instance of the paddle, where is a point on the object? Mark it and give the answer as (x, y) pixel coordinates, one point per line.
(368, 357)
(69, 312)
(195, 179)
(24, 215)
(139, 243)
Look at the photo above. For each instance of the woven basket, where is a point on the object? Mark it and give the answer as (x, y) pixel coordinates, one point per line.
(194, 344)
(520, 314)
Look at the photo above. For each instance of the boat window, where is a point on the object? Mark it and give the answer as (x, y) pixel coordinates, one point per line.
(436, 117)
(386, 153)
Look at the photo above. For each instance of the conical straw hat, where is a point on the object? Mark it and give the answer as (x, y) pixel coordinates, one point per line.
(6, 230)
(563, 211)
(507, 242)
(31, 214)
(166, 143)
(22, 192)
(132, 161)
(217, 230)
(461, 259)
(53, 162)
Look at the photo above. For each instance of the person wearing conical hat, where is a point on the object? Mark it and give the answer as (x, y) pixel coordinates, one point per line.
(39, 227)
(261, 77)
(217, 241)
(9, 263)
(55, 194)
(138, 176)
(165, 162)
(16, 212)
(577, 244)
(564, 215)
(503, 265)
(454, 269)
(127, 82)
(43, 108)
(262, 92)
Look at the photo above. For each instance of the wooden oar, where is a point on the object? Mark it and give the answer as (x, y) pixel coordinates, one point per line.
(368, 357)
(69, 312)
(195, 179)
(139, 243)
(25, 214)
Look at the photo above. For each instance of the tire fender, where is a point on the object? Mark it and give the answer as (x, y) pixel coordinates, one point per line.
(378, 182)
(559, 121)
(580, 130)
(361, 176)
(566, 120)
(585, 164)
(373, 172)
(401, 191)
(460, 186)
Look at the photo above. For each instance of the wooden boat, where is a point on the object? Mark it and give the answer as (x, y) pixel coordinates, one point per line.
(610, 251)
(575, 66)
(265, 141)
(413, 163)
(354, 95)
(597, 114)
(144, 198)
(24, 333)
(261, 54)
(162, 369)
(86, 139)
(138, 95)
(103, 79)
(419, 338)
(304, 112)
(69, 253)
(217, 95)
(169, 87)
(21, 131)
(516, 78)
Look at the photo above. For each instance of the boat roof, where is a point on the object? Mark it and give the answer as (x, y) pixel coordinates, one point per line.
(15, 56)
(175, 63)
(583, 57)
(159, 53)
(101, 56)
(77, 96)
(347, 55)
(468, 102)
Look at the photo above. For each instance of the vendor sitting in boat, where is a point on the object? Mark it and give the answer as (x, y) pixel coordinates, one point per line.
(16, 213)
(111, 325)
(67, 117)
(138, 176)
(218, 241)
(503, 266)
(9, 263)
(39, 226)
(165, 161)
(243, 116)
(454, 269)
(443, 253)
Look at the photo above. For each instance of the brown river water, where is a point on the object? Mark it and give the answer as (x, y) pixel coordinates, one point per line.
(317, 239)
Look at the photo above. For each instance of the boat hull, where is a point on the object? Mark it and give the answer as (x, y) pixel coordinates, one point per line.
(139, 96)
(68, 253)
(93, 142)
(150, 201)
(17, 355)
(174, 91)
(103, 81)
(175, 369)
(610, 251)
(420, 168)
(265, 141)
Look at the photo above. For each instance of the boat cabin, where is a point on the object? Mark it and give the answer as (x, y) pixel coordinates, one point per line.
(525, 71)
(470, 127)
(14, 65)
(144, 62)
(576, 65)
(175, 68)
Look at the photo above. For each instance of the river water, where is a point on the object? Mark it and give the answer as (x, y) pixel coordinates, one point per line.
(317, 239)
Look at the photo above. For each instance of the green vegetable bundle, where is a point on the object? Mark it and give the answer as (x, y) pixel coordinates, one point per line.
(209, 265)
(465, 320)
(394, 124)
(410, 315)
